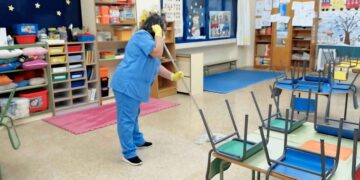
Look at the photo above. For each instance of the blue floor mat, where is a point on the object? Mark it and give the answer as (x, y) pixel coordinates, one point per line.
(233, 80)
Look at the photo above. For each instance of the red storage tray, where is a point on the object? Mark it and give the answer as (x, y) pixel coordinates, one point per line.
(38, 100)
(25, 39)
(74, 48)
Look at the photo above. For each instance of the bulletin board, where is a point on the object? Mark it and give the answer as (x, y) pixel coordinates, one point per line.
(202, 20)
(46, 13)
(340, 23)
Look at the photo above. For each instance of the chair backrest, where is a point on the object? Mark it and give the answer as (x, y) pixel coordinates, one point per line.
(5, 109)
(210, 134)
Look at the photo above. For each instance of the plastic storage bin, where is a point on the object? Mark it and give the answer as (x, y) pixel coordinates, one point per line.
(104, 92)
(75, 58)
(59, 70)
(38, 100)
(57, 59)
(74, 48)
(85, 37)
(25, 29)
(19, 107)
(124, 33)
(104, 72)
(60, 77)
(76, 84)
(56, 50)
(25, 39)
(77, 75)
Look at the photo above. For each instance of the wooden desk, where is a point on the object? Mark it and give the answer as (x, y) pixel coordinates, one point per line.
(275, 146)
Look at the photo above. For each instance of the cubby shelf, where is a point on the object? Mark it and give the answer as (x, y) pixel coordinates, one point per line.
(72, 93)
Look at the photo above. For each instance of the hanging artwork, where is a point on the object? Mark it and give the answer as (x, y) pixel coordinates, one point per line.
(220, 22)
(174, 12)
(281, 28)
(340, 23)
(196, 19)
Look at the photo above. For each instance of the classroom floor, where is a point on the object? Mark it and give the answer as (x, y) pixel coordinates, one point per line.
(48, 152)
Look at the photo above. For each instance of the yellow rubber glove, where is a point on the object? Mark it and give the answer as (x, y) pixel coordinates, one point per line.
(157, 30)
(177, 76)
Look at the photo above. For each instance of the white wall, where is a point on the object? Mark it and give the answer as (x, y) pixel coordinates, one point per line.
(217, 53)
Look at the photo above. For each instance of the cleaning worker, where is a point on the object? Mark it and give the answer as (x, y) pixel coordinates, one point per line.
(132, 82)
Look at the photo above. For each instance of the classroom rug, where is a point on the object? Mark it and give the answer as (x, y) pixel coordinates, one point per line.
(227, 82)
(94, 118)
(330, 149)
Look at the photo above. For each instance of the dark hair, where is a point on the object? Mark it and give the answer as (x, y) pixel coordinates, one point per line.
(153, 19)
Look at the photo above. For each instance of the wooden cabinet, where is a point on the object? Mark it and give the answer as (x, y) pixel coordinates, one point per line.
(192, 66)
(297, 48)
(263, 47)
(163, 87)
(113, 25)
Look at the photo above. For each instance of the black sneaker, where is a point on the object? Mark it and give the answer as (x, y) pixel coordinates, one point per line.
(135, 161)
(145, 145)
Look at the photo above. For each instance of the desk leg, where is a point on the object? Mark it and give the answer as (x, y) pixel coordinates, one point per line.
(258, 175)
(253, 175)
(346, 106)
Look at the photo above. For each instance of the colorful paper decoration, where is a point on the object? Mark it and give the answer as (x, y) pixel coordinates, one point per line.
(37, 5)
(58, 13)
(11, 8)
(68, 2)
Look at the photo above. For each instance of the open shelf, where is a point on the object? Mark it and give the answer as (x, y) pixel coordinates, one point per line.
(24, 88)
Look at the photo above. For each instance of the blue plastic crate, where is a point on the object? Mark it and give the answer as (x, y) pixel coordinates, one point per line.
(76, 84)
(25, 29)
(85, 38)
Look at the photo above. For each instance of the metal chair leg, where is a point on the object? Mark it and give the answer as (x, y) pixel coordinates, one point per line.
(208, 165)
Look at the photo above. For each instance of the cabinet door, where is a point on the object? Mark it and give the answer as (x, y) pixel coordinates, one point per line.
(181, 87)
(184, 65)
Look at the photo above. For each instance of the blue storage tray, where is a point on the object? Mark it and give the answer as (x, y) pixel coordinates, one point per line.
(25, 29)
(76, 75)
(74, 58)
(85, 38)
(75, 84)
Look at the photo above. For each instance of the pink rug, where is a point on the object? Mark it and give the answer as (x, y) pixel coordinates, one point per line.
(90, 119)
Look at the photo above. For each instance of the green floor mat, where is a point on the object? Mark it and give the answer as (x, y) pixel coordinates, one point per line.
(234, 148)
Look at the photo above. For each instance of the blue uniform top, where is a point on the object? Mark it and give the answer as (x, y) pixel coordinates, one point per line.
(136, 73)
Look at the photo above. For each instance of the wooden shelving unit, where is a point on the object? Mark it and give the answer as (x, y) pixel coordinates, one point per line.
(45, 71)
(263, 43)
(119, 33)
(81, 85)
(302, 48)
(163, 87)
(299, 40)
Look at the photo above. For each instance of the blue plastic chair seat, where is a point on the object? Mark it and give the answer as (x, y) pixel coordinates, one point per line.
(305, 160)
(288, 81)
(316, 79)
(301, 104)
(348, 131)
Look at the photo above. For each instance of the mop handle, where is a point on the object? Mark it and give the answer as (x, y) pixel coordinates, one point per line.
(183, 81)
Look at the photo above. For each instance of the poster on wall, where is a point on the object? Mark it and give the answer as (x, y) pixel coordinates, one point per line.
(174, 12)
(220, 24)
(282, 27)
(196, 20)
(340, 23)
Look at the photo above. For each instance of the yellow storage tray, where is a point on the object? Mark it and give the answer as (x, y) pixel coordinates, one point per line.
(57, 60)
(56, 50)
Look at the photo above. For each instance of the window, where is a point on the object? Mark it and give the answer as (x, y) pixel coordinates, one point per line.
(206, 20)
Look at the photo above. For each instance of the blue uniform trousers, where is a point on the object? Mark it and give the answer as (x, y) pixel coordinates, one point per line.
(128, 110)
